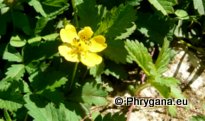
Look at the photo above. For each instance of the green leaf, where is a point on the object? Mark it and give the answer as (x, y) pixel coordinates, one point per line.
(38, 7)
(11, 54)
(34, 40)
(50, 37)
(128, 32)
(50, 78)
(176, 92)
(181, 14)
(16, 71)
(116, 51)
(163, 58)
(116, 70)
(169, 81)
(55, 3)
(23, 23)
(5, 84)
(111, 117)
(44, 50)
(16, 41)
(40, 24)
(155, 27)
(12, 103)
(138, 53)
(172, 110)
(198, 118)
(56, 84)
(163, 90)
(42, 21)
(199, 6)
(37, 39)
(9, 99)
(49, 112)
(97, 70)
(91, 19)
(164, 6)
(134, 2)
(4, 20)
(92, 94)
(117, 21)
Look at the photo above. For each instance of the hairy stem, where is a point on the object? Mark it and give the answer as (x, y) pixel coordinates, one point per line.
(141, 87)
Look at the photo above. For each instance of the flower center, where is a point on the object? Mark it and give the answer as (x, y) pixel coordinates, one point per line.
(80, 46)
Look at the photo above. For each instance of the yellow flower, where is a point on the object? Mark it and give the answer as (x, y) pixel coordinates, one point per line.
(80, 47)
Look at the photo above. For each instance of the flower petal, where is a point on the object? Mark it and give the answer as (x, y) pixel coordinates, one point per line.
(85, 33)
(67, 52)
(90, 59)
(97, 44)
(68, 34)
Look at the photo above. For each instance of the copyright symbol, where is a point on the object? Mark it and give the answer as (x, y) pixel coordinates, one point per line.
(118, 101)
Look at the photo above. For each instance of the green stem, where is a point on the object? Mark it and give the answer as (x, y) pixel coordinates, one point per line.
(73, 75)
(6, 115)
(75, 13)
(141, 87)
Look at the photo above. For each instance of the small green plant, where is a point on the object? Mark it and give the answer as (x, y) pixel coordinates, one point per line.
(62, 59)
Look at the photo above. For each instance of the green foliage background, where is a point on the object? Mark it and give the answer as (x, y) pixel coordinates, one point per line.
(35, 79)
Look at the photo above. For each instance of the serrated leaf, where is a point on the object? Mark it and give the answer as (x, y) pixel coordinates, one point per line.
(42, 21)
(50, 78)
(38, 7)
(16, 41)
(139, 54)
(117, 21)
(163, 90)
(16, 71)
(199, 6)
(9, 104)
(57, 84)
(164, 58)
(97, 70)
(128, 32)
(115, 70)
(92, 94)
(43, 50)
(155, 27)
(176, 92)
(164, 6)
(9, 99)
(11, 54)
(112, 117)
(91, 19)
(169, 81)
(49, 112)
(116, 51)
(5, 84)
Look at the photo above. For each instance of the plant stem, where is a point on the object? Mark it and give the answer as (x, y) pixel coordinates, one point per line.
(6, 115)
(141, 87)
(75, 12)
(73, 75)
